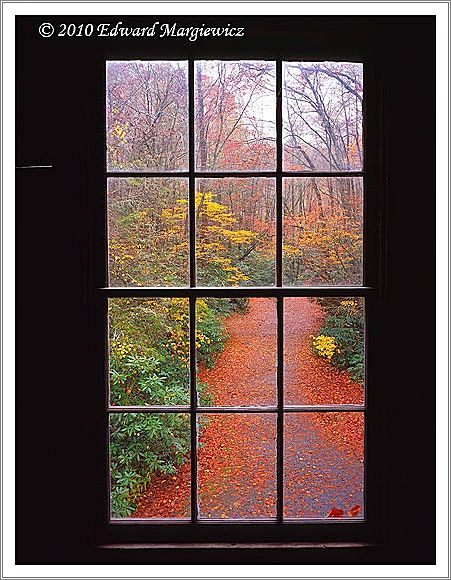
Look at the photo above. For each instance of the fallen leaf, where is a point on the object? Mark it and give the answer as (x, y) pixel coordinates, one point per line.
(354, 511)
(335, 513)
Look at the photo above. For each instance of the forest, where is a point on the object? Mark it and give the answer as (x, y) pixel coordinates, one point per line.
(235, 228)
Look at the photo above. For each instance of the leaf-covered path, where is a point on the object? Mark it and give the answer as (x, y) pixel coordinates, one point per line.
(323, 458)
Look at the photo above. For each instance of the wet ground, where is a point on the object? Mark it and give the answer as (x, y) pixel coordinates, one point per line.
(323, 452)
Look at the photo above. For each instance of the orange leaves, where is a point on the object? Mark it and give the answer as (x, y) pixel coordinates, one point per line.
(236, 469)
(236, 459)
(323, 234)
(354, 511)
(166, 497)
(245, 373)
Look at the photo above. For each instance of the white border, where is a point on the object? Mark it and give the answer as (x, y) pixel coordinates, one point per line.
(207, 7)
(441, 10)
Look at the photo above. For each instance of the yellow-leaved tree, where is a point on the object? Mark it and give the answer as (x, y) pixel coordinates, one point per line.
(219, 245)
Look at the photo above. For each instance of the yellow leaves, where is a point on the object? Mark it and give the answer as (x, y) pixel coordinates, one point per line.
(122, 252)
(290, 250)
(138, 237)
(207, 208)
(235, 279)
(234, 274)
(121, 349)
(201, 339)
(201, 310)
(175, 214)
(215, 230)
(212, 217)
(324, 346)
(178, 343)
(120, 131)
(212, 210)
(207, 249)
(325, 243)
(240, 236)
(177, 249)
(217, 212)
(349, 305)
(179, 311)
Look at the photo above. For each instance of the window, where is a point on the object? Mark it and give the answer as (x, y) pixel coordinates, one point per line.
(236, 299)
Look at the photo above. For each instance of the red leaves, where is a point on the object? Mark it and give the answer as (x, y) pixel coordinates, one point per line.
(335, 513)
(338, 513)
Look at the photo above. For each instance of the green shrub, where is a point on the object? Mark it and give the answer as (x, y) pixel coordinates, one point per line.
(224, 307)
(140, 445)
(148, 365)
(146, 380)
(210, 334)
(344, 322)
(260, 269)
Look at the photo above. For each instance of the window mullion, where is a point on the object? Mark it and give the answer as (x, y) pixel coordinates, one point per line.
(280, 413)
(254, 409)
(193, 407)
(192, 182)
(236, 291)
(192, 299)
(279, 275)
(234, 174)
(279, 208)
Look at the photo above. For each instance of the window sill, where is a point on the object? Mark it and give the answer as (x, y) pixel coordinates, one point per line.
(224, 553)
(238, 545)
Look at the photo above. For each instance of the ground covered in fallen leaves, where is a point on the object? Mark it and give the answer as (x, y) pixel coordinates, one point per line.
(323, 451)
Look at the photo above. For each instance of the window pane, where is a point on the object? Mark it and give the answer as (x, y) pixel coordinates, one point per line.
(150, 474)
(148, 239)
(149, 351)
(324, 465)
(322, 116)
(147, 116)
(324, 360)
(322, 231)
(235, 115)
(235, 221)
(236, 341)
(237, 466)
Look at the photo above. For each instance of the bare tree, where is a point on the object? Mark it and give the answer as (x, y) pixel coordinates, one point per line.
(235, 103)
(323, 116)
(147, 115)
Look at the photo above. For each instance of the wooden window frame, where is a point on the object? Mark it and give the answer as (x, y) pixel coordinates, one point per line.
(279, 527)
(279, 292)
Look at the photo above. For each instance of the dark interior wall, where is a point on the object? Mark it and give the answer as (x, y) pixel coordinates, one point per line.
(410, 280)
(59, 390)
